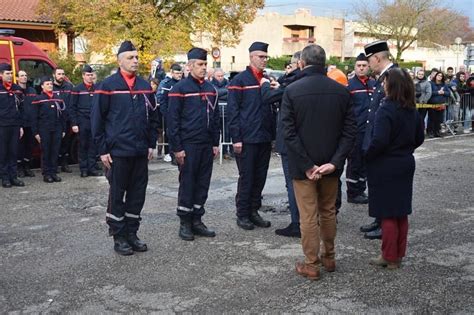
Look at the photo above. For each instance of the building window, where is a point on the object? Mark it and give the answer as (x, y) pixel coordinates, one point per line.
(338, 34)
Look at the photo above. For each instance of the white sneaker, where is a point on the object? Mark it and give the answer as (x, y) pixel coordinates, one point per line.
(167, 158)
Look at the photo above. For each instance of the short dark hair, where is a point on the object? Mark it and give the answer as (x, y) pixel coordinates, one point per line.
(58, 68)
(314, 55)
(449, 68)
(400, 87)
(175, 67)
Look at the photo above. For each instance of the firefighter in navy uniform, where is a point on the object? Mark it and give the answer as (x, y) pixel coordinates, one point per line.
(25, 149)
(194, 135)
(11, 121)
(48, 126)
(252, 130)
(378, 55)
(62, 89)
(80, 114)
(361, 88)
(124, 121)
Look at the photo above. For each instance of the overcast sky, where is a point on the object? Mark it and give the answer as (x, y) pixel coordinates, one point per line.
(344, 8)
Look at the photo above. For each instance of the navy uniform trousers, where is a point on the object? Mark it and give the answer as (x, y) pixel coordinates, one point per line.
(356, 173)
(25, 147)
(194, 179)
(252, 163)
(128, 178)
(50, 144)
(87, 149)
(9, 138)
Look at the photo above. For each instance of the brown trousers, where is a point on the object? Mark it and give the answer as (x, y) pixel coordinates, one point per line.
(317, 205)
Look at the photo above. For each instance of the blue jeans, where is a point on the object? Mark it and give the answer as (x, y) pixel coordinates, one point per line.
(295, 215)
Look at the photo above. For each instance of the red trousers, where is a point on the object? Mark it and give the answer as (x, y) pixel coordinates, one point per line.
(394, 238)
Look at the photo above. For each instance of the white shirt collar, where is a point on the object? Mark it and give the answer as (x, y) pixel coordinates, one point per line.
(386, 68)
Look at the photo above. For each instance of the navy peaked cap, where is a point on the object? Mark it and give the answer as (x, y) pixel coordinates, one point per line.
(45, 79)
(258, 46)
(197, 53)
(126, 46)
(361, 57)
(87, 69)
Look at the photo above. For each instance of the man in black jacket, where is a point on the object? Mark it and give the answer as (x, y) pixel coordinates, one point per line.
(319, 130)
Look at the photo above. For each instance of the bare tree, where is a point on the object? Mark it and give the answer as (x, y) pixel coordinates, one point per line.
(405, 22)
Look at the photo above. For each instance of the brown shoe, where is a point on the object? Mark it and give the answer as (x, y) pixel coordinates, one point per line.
(307, 271)
(380, 261)
(329, 264)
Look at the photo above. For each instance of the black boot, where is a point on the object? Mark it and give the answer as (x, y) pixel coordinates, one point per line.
(292, 230)
(245, 223)
(6, 183)
(185, 229)
(256, 219)
(121, 245)
(16, 182)
(374, 235)
(369, 227)
(27, 168)
(199, 228)
(21, 169)
(48, 179)
(64, 165)
(56, 178)
(137, 244)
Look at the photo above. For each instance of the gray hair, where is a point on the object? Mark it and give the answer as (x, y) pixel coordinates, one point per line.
(296, 57)
(313, 55)
(218, 70)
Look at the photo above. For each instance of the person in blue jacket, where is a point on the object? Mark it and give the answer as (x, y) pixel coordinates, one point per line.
(439, 96)
(49, 127)
(398, 131)
(252, 130)
(11, 122)
(361, 88)
(80, 115)
(124, 121)
(378, 55)
(25, 149)
(194, 135)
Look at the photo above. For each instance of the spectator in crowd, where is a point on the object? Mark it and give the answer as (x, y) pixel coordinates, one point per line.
(319, 130)
(398, 131)
(154, 83)
(160, 73)
(449, 74)
(439, 97)
(293, 229)
(210, 74)
(220, 83)
(432, 74)
(194, 135)
(176, 73)
(412, 75)
(422, 92)
(25, 149)
(11, 122)
(62, 89)
(49, 126)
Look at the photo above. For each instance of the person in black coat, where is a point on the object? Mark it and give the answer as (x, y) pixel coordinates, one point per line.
(398, 131)
(49, 126)
(319, 129)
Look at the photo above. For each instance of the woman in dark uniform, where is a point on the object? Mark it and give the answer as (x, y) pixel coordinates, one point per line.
(398, 131)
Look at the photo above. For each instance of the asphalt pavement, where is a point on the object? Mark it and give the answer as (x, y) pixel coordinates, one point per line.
(56, 256)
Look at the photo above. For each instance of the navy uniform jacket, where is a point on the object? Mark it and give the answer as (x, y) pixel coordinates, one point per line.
(124, 121)
(251, 118)
(193, 114)
(11, 108)
(162, 95)
(28, 111)
(81, 104)
(360, 97)
(48, 114)
(63, 92)
(375, 100)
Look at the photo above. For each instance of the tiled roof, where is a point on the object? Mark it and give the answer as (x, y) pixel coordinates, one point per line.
(21, 11)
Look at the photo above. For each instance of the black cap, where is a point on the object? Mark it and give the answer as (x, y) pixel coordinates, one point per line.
(197, 53)
(5, 67)
(375, 47)
(87, 69)
(126, 46)
(258, 46)
(45, 79)
(361, 57)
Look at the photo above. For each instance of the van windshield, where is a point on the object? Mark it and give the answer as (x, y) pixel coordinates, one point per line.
(35, 70)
